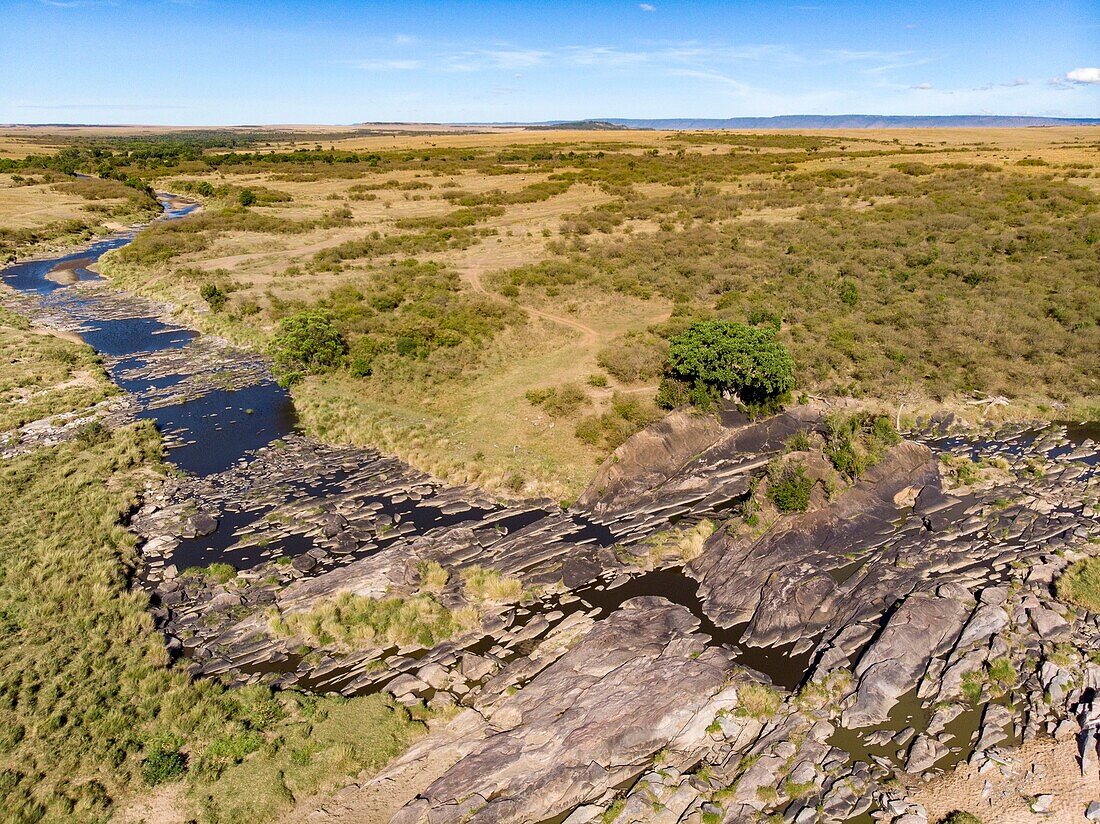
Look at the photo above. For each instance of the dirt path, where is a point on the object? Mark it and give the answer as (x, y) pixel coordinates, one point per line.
(472, 276)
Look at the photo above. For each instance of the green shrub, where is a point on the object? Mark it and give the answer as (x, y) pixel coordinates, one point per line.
(848, 292)
(960, 817)
(214, 296)
(163, 761)
(789, 487)
(308, 342)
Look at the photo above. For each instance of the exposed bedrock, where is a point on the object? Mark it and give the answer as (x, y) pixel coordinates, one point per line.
(640, 682)
(779, 583)
(923, 626)
(686, 463)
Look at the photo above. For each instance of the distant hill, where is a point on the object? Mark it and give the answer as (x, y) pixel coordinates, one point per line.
(848, 121)
(593, 125)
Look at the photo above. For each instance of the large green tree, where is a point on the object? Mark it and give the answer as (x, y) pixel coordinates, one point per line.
(715, 357)
(307, 342)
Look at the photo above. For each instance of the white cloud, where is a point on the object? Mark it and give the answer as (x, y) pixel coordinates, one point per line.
(647, 7)
(922, 86)
(716, 77)
(1019, 81)
(386, 65)
(1087, 75)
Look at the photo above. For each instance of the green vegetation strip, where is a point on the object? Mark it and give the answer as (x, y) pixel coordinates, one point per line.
(90, 713)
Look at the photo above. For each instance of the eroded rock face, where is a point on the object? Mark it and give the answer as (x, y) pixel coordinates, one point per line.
(897, 591)
(778, 583)
(639, 682)
(686, 464)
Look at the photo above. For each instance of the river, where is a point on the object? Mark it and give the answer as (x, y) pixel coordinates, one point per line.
(207, 433)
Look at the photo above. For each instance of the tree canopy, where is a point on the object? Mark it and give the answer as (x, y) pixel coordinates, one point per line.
(306, 342)
(714, 356)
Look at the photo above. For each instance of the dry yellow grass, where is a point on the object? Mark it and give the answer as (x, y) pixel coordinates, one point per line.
(29, 207)
(481, 427)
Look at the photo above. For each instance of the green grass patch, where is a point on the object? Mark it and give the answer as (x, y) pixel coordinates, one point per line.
(90, 713)
(1080, 584)
(353, 621)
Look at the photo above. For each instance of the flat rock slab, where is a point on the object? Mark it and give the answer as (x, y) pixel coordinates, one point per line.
(639, 682)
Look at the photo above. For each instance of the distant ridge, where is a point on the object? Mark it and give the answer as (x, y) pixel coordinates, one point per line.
(848, 121)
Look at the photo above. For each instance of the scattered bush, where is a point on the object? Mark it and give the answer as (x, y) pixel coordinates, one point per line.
(789, 487)
(634, 358)
(562, 402)
(854, 443)
(627, 415)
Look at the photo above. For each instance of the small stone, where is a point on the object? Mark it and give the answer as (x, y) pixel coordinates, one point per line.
(304, 563)
(1093, 811)
(1041, 803)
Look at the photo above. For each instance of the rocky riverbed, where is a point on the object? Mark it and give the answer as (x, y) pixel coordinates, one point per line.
(903, 625)
(665, 649)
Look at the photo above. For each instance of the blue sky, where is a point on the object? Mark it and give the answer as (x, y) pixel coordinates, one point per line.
(224, 62)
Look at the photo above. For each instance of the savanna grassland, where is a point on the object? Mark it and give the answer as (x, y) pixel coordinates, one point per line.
(92, 722)
(505, 299)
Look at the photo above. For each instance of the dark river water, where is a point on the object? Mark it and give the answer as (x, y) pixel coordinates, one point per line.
(206, 434)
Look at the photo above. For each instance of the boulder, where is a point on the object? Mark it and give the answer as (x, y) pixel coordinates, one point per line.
(923, 754)
(922, 627)
(200, 525)
(1049, 624)
(304, 562)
